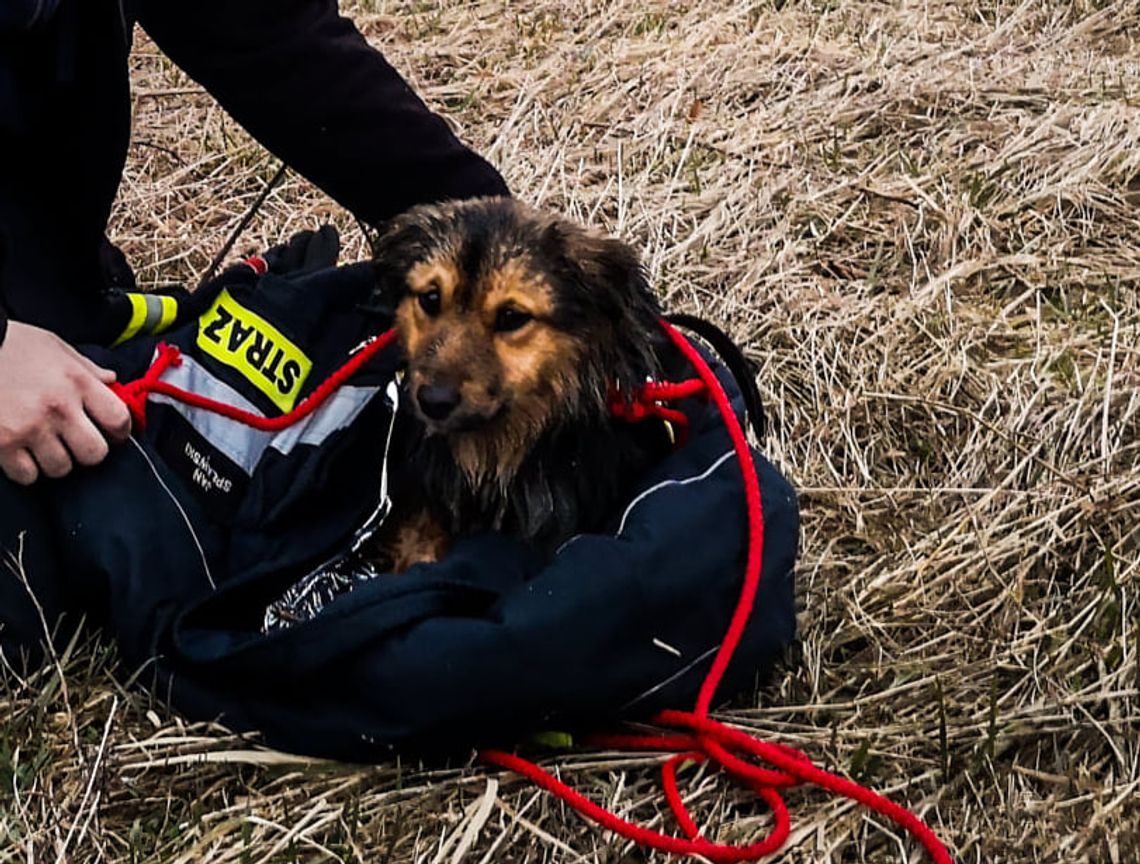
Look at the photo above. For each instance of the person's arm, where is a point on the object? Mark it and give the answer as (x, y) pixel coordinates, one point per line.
(307, 85)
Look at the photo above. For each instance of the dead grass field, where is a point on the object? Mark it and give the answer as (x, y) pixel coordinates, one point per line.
(922, 220)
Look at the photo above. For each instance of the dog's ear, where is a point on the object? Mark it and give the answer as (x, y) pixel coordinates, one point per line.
(609, 290)
(607, 271)
(403, 242)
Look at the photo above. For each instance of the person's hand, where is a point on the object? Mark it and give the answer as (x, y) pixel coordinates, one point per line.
(55, 406)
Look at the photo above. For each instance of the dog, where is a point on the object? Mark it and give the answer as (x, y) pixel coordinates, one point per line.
(519, 329)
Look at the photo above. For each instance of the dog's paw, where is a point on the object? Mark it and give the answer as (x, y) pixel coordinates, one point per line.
(418, 540)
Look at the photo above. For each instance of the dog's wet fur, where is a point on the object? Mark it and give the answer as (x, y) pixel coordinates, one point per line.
(516, 327)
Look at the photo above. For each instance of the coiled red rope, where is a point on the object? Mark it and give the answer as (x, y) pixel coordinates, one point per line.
(696, 737)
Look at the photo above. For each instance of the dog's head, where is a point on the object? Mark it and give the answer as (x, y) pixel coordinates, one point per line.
(512, 321)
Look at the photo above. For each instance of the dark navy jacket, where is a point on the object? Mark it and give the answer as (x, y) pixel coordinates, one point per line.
(294, 73)
(183, 539)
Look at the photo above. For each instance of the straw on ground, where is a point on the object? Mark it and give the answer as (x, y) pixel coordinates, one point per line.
(921, 219)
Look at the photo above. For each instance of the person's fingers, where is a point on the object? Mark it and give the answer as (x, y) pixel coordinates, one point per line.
(107, 411)
(20, 467)
(106, 376)
(53, 404)
(51, 456)
(86, 443)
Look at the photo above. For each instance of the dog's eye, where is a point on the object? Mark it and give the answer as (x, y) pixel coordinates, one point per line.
(430, 302)
(509, 319)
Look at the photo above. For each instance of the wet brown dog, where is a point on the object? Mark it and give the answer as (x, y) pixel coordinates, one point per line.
(517, 328)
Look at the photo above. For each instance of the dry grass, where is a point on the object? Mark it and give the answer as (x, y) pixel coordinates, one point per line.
(921, 219)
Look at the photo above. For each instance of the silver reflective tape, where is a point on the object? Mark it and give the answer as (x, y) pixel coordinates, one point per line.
(338, 412)
(153, 313)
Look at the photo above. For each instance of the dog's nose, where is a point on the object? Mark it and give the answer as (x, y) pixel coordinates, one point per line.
(437, 401)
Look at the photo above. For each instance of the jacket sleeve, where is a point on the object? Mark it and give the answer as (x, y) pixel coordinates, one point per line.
(305, 83)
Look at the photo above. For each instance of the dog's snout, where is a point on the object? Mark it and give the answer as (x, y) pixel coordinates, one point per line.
(437, 401)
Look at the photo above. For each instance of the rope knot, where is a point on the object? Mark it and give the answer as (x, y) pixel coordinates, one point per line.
(135, 393)
(649, 401)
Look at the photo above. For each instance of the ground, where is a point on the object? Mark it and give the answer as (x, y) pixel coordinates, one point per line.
(920, 219)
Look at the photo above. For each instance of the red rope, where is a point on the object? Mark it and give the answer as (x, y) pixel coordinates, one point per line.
(258, 264)
(648, 401)
(705, 739)
(713, 740)
(136, 393)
